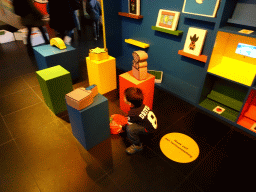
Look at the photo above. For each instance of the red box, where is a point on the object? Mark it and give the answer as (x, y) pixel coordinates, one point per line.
(147, 86)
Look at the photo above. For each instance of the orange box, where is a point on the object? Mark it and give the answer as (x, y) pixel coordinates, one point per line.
(79, 98)
(147, 86)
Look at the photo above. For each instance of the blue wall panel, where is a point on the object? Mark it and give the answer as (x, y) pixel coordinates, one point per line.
(163, 50)
(183, 77)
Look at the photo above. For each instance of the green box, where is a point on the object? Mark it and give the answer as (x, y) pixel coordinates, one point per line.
(55, 83)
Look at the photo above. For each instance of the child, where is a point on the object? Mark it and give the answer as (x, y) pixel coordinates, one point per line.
(141, 120)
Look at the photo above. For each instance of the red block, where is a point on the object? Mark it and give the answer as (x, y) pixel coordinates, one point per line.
(147, 86)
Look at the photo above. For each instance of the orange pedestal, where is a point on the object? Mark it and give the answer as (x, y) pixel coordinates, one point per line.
(147, 86)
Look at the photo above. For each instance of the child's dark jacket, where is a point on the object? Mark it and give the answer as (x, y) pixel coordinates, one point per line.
(143, 116)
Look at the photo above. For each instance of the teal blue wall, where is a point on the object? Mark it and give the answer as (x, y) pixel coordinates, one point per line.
(183, 76)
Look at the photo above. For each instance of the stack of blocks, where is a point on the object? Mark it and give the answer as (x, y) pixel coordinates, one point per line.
(49, 56)
(101, 70)
(147, 86)
(55, 83)
(90, 125)
(139, 67)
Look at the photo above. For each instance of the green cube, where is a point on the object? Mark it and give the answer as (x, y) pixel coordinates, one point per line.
(55, 83)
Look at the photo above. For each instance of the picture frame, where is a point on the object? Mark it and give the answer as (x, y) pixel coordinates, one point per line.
(168, 19)
(206, 8)
(158, 75)
(134, 7)
(194, 41)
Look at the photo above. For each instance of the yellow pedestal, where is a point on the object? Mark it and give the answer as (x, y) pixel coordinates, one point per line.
(102, 73)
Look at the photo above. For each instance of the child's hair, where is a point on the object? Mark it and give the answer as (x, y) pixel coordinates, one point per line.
(134, 95)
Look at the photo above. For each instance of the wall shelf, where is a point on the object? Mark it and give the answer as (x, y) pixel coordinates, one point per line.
(202, 58)
(177, 32)
(227, 79)
(200, 18)
(130, 15)
(137, 43)
(225, 94)
(234, 30)
(229, 113)
(243, 74)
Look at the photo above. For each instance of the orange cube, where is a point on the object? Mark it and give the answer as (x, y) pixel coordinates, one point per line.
(147, 86)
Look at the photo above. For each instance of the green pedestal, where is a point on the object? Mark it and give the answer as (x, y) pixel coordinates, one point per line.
(55, 83)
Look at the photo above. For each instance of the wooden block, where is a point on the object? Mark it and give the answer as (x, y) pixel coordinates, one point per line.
(140, 74)
(147, 86)
(94, 89)
(140, 64)
(79, 98)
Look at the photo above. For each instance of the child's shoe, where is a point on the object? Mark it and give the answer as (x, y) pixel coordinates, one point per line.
(133, 149)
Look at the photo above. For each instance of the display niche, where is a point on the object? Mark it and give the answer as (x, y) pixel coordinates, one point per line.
(223, 97)
(234, 58)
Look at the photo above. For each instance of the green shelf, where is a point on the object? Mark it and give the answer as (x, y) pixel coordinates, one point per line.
(177, 32)
(229, 113)
(226, 100)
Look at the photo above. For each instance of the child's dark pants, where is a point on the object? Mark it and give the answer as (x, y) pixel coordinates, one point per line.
(134, 131)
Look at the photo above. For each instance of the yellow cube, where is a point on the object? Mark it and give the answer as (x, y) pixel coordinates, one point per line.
(102, 73)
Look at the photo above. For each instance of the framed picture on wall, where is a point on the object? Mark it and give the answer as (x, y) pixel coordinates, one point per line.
(207, 8)
(167, 19)
(134, 7)
(195, 41)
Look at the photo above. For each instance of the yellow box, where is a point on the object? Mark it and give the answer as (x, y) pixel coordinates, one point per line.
(102, 73)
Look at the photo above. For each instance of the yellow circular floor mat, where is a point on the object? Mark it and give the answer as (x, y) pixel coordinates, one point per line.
(179, 147)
